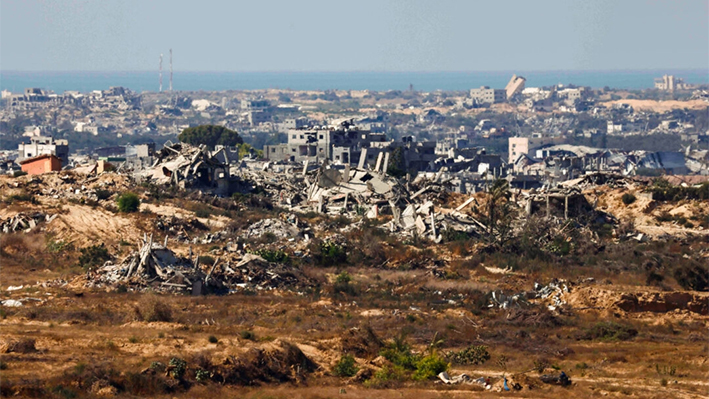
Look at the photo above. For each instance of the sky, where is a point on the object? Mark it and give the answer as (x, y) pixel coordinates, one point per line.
(362, 35)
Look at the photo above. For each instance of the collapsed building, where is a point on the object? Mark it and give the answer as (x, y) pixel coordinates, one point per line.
(344, 142)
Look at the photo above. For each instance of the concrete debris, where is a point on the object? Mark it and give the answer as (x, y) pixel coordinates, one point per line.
(502, 301)
(185, 166)
(14, 303)
(464, 379)
(153, 266)
(281, 229)
(11, 303)
(554, 290)
(552, 293)
(24, 222)
(254, 273)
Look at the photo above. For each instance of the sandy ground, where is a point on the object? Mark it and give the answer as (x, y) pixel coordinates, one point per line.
(660, 106)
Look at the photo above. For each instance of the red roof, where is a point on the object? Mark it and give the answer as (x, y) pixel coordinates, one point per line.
(37, 158)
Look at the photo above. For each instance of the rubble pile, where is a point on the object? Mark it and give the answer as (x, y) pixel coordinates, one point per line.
(279, 228)
(177, 226)
(551, 293)
(156, 267)
(24, 222)
(253, 272)
(187, 166)
(554, 291)
(612, 180)
(278, 182)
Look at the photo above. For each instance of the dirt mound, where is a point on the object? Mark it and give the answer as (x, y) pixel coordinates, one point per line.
(533, 317)
(657, 302)
(645, 213)
(663, 302)
(84, 225)
(24, 345)
(281, 363)
(361, 342)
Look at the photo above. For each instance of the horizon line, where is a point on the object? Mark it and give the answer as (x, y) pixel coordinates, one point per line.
(362, 71)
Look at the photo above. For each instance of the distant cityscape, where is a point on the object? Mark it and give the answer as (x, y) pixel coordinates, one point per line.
(531, 135)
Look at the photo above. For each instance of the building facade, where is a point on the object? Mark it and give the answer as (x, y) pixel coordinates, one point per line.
(517, 146)
(41, 164)
(44, 146)
(486, 95)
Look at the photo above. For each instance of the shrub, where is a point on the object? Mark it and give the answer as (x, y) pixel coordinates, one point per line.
(128, 202)
(157, 366)
(248, 335)
(342, 284)
(429, 367)
(387, 377)
(205, 260)
(609, 331)
(177, 367)
(203, 212)
(202, 375)
(21, 197)
(330, 254)
(450, 235)
(212, 339)
(399, 353)
(273, 255)
(628, 198)
(19, 173)
(345, 367)
(693, 277)
(95, 255)
(151, 308)
(473, 354)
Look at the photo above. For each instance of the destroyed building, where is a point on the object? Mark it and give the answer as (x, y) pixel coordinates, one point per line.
(340, 143)
(44, 146)
(186, 166)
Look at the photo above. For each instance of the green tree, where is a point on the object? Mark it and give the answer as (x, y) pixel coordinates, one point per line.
(210, 135)
(128, 202)
(396, 166)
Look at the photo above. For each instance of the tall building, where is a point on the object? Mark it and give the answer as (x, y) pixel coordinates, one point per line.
(671, 83)
(515, 86)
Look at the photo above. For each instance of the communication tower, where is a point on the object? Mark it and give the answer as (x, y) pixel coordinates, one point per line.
(170, 69)
(160, 89)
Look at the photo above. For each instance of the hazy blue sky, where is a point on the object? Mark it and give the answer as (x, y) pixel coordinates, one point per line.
(380, 35)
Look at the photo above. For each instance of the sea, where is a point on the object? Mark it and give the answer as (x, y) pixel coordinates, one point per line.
(142, 81)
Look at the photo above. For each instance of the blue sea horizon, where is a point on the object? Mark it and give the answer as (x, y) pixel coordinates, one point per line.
(140, 81)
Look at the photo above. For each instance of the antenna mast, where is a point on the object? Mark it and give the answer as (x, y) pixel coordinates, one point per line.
(170, 69)
(160, 89)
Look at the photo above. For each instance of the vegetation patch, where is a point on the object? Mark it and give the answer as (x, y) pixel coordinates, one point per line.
(128, 202)
(609, 331)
